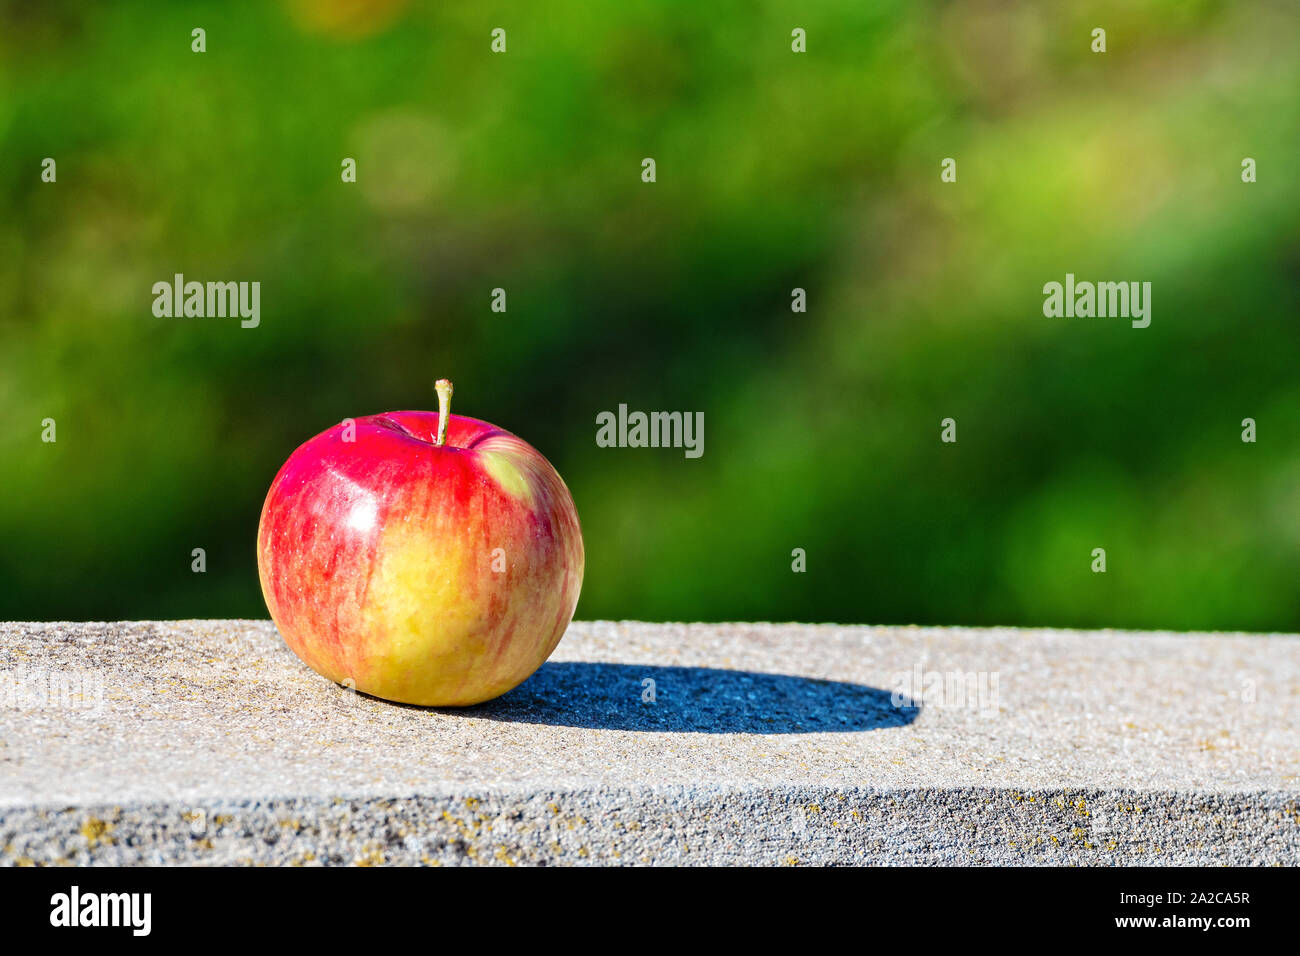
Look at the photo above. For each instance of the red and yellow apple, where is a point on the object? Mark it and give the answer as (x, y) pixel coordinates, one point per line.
(422, 557)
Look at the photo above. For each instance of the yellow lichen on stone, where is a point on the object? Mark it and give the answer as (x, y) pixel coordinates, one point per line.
(96, 831)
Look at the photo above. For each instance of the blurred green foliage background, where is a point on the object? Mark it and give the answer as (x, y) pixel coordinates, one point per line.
(775, 170)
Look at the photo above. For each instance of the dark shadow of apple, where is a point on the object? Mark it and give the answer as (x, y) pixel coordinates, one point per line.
(700, 700)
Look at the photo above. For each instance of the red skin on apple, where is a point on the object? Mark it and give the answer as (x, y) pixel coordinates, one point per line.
(441, 575)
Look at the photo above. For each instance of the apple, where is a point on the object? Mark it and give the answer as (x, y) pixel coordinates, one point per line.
(423, 558)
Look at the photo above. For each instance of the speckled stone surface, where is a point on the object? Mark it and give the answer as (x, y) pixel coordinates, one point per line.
(209, 742)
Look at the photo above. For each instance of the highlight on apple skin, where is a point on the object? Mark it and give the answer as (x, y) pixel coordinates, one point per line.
(419, 570)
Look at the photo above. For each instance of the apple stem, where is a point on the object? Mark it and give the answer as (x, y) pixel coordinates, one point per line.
(443, 387)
